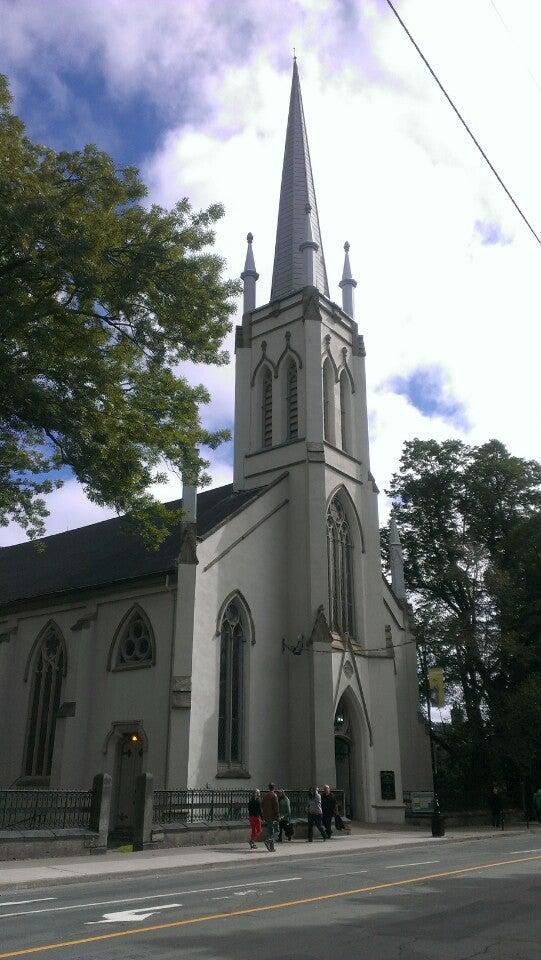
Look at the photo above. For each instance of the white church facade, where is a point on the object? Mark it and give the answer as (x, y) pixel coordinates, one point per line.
(261, 640)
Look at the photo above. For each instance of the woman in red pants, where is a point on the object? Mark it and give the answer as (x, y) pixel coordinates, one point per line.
(254, 816)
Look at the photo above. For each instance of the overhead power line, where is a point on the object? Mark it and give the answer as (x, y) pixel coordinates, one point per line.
(518, 51)
(463, 122)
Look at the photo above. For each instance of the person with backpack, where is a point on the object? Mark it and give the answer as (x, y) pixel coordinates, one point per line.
(254, 815)
(313, 810)
(271, 815)
(284, 823)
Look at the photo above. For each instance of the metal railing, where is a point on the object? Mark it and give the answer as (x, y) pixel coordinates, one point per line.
(44, 809)
(208, 805)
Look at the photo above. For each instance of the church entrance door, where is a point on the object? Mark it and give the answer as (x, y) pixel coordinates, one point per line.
(128, 766)
(342, 756)
(346, 758)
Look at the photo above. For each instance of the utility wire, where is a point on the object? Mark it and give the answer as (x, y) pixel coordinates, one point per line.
(518, 51)
(463, 122)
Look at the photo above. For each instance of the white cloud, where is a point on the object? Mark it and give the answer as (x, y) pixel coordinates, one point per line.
(70, 508)
(395, 174)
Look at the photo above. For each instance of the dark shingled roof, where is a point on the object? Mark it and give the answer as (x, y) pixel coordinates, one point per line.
(104, 553)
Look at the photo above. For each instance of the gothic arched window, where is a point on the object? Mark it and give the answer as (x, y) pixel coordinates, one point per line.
(266, 408)
(49, 668)
(133, 645)
(292, 402)
(231, 718)
(328, 401)
(340, 564)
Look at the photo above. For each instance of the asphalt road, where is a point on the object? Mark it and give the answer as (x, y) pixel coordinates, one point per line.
(431, 901)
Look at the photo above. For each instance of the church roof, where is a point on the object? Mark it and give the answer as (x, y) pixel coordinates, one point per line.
(296, 191)
(104, 553)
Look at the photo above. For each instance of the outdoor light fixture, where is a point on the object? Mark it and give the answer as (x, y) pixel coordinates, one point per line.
(296, 649)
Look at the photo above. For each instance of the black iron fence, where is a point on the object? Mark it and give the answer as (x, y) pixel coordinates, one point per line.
(44, 809)
(208, 805)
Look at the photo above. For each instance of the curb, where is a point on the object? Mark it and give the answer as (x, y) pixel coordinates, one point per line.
(235, 860)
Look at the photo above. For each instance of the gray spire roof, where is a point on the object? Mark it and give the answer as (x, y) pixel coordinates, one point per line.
(296, 191)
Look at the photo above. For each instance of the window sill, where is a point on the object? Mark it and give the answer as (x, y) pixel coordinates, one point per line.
(30, 781)
(233, 773)
(123, 667)
(276, 446)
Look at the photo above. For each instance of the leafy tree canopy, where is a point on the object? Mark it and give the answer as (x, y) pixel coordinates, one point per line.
(101, 296)
(470, 524)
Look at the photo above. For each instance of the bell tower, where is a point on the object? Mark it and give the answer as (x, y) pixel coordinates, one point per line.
(300, 380)
(301, 420)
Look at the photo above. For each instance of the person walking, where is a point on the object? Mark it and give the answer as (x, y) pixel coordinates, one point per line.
(328, 810)
(496, 808)
(271, 815)
(284, 809)
(537, 804)
(254, 815)
(313, 810)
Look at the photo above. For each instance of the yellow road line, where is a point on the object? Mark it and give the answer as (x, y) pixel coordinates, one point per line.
(26, 951)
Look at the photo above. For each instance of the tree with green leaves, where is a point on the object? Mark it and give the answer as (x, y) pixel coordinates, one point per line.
(470, 523)
(102, 296)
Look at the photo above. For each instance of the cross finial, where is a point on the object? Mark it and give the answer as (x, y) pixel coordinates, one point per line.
(294, 54)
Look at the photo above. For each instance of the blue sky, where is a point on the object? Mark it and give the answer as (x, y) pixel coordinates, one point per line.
(196, 95)
(427, 390)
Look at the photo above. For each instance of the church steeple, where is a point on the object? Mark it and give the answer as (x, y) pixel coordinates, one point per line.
(296, 192)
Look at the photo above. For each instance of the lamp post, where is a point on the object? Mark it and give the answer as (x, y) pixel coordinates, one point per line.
(438, 824)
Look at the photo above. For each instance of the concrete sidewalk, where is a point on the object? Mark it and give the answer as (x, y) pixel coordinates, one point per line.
(115, 865)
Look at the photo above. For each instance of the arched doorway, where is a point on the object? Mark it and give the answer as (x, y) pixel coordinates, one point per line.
(128, 766)
(344, 748)
(125, 747)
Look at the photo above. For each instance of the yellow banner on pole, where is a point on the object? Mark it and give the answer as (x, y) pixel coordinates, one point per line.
(436, 685)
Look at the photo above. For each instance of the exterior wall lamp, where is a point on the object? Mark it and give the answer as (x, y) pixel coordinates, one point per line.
(297, 648)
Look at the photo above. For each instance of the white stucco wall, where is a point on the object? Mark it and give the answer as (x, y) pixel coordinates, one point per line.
(258, 568)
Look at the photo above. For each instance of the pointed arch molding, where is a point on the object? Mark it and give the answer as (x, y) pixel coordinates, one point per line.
(341, 491)
(112, 665)
(344, 367)
(327, 352)
(264, 359)
(119, 730)
(236, 595)
(288, 349)
(50, 625)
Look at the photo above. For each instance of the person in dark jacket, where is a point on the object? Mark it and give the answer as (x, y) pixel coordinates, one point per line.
(536, 801)
(328, 809)
(271, 815)
(254, 815)
(496, 807)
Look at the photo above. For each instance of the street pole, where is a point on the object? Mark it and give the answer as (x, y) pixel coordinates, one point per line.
(438, 824)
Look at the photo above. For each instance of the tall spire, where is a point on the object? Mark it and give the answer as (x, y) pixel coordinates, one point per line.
(296, 192)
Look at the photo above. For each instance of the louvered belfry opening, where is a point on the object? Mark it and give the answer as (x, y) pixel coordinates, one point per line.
(292, 402)
(266, 408)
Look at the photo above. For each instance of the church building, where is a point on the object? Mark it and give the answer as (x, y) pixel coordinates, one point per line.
(261, 641)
